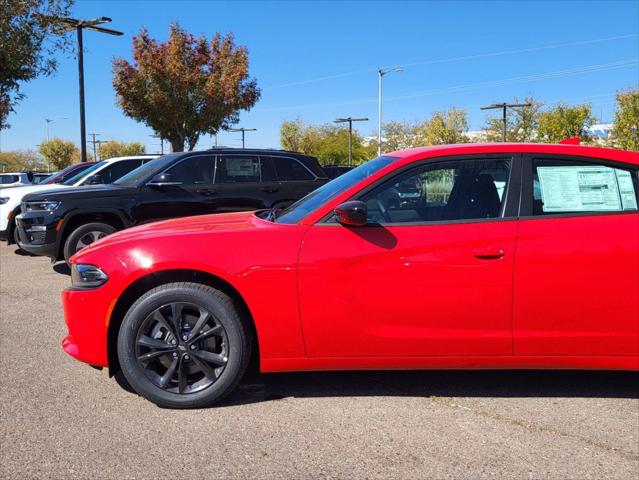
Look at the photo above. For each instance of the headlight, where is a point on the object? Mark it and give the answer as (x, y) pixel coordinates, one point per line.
(40, 206)
(87, 276)
(3, 200)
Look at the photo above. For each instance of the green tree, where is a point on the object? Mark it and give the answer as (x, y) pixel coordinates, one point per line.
(521, 123)
(21, 161)
(328, 142)
(29, 39)
(59, 153)
(185, 87)
(401, 135)
(444, 128)
(564, 121)
(625, 132)
(113, 148)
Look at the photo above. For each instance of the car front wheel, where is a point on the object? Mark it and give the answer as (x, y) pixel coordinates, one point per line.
(184, 345)
(85, 235)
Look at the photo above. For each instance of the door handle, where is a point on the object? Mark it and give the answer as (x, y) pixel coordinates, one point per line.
(206, 191)
(489, 253)
(270, 189)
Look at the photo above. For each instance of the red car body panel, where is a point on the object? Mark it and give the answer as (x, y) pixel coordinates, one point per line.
(563, 294)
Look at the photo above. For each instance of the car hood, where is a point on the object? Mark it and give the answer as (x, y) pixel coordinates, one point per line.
(21, 191)
(88, 191)
(185, 226)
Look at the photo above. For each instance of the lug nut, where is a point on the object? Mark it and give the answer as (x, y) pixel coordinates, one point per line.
(173, 342)
(192, 347)
(184, 337)
(186, 357)
(174, 355)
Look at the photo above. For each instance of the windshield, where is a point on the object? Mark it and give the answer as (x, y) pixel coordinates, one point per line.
(323, 194)
(83, 174)
(133, 178)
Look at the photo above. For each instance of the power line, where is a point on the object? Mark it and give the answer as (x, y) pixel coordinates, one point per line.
(471, 86)
(455, 59)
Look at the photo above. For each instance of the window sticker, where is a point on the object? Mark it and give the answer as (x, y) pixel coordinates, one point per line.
(579, 189)
(242, 167)
(626, 190)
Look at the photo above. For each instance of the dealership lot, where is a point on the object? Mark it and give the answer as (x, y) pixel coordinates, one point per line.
(60, 419)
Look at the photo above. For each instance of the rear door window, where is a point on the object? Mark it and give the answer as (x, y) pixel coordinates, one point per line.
(239, 169)
(290, 170)
(575, 187)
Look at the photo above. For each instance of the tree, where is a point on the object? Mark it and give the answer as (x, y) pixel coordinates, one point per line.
(625, 133)
(59, 153)
(328, 142)
(445, 128)
(113, 148)
(521, 123)
(401, 135)
(21, 161)
(564, 121)
(29, 39)
(185, 87)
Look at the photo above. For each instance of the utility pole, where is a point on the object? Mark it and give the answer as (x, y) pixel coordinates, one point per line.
(380, 73)
(243, 130)
(350, 121)
(161, 142)
(79, 25)
(504, 107)
(94, 142)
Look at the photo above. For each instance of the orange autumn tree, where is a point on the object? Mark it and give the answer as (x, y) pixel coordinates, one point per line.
(185, 87)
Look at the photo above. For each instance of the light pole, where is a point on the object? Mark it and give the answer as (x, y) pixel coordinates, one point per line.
(504, 107)
(350, 121)
(79, 25)
(243, 130)
(380, 73)
(161, 143)
(47, 121)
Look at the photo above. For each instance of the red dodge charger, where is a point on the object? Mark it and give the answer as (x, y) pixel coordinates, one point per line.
(459, 256)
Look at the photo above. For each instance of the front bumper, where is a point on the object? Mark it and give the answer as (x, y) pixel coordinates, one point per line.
(86, 314)
(37, 234)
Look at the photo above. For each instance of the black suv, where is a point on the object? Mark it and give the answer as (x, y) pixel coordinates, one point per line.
(58, 223)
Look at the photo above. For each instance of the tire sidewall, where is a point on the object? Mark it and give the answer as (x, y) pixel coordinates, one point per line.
(75, 235)
(222, 313)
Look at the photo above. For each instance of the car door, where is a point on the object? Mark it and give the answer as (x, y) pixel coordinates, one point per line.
(429, 275)
(245, 182)
(577, 261)
(190, 191)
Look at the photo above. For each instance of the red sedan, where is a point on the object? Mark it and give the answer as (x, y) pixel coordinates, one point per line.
(461, 256)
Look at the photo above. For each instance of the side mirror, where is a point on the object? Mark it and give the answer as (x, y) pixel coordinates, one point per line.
(95, 180)
(163, 180)
(353, 213)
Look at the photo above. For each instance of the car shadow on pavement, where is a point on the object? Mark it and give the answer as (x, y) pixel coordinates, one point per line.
(23, 253)
(493, 383)
(62, 268)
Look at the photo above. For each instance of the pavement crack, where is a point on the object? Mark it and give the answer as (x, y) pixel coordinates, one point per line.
(534, 427)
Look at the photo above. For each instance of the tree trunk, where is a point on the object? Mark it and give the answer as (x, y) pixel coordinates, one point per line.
(177, 144)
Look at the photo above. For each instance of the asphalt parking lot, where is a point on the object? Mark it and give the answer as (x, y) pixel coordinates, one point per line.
(62, 419)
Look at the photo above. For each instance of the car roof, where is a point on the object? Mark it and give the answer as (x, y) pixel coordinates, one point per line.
(131, 157)
(539, 148)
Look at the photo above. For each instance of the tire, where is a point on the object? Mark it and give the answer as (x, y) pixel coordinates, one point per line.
(85, 235)
(195, 368)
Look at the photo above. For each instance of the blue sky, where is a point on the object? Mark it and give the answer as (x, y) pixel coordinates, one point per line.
(317, 61)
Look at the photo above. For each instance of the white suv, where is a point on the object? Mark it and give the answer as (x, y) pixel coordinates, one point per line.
(14, 179)
(106, 171)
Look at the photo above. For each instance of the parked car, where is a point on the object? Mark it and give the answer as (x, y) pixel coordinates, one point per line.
(334, 171)
(14, 179)
(66, 173)
(105, 171)
(176, 185)
(38, 177)
(466, 277)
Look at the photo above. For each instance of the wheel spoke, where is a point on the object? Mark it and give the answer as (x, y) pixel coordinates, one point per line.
(182, 374)
(176, 317)
(206, 369)
(149, 342)
(170, 372)
(213, 358)
(162, 320)
(216, 330)
(204, 317)
(147, 357)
